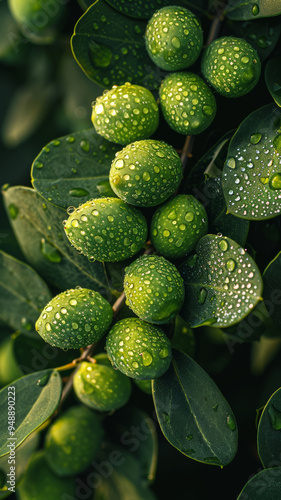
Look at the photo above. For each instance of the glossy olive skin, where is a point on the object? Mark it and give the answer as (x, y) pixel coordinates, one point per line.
(98, 386)
(106, 229)
(138, 349)
(231, 65)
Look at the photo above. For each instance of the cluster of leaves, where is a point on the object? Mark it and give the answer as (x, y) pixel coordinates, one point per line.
(232, 294)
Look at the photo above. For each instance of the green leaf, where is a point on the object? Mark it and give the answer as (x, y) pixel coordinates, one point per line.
(32, 353)
(269, 431)
(183, 337)
(144, 447)
(110, 48)
(266, 485)
(38, 226)
(262, 34)
(273, 78)
(251, 177)
(222, 283)
(36, 398)
(22, 455)
(252, 9)
(219, 220)
(272, 289)
(144, 10)
(74, 168)
(193, 414)
(23, 293)
(124, 481)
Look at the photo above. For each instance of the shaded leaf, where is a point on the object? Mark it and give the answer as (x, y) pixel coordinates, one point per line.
(22, 455)
(37, 396)
(142, 447)
(38, 226)
(251, 177)
(144, 10)
(273, 78)
(219, 220)
(193, 414)
(23, 294)
(269, 431)
(183, 337)
(32, 353)
(272, 289)
(9, 369)
(262, 34)
(125, 481)
(74, 168)
(222, 283)
(103, 36)
(252, 9)
(266, 485)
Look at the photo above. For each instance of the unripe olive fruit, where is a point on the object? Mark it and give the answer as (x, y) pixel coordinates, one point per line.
(99, 386)
(231, 65)
(126, 113)
(75, 318)
(174, 38)
(154, 289)
(106, 229)
(73, 441)
(188, 105)
(138, 349)
(40, 483)
(146, 172)
(178, 225)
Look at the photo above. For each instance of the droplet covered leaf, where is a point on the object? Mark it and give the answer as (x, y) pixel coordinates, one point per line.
(251, 177)
(252, 9)
(74, 168)
(193, 414)
(269, 435)
(104, 36)
(222, 283)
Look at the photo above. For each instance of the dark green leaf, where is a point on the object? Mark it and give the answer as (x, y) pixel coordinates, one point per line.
(142, 447)
(193, 414)
(219, 220)
(272, 289)
(38, 226)
(269, 432)
(183, 337)
(74, 168)
(252, 9)
(110, 48)
(222, 283)
(273, 78)
(124, 481)
(262, 34)
(23, 293)
(22, 455)
(37, 397)
(266, 485)
(251, 177)
(144, 10)
(32, 353)
(9, 369)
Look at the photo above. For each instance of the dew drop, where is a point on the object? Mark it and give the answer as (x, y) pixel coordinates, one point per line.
(73, 302)
(13, 211)
(85, 146)
(255, 9)
(78, 192)
(119, 164)
(208, 110)
(49, 252)
(275, 417)
(44, 380)
(164, 353)
(255, 138)
(230, 265)
(166, 418)
(230, 422)
(202, 295)
(176, 42)
(146, 358)
(231, 163)
(189, 216)
(223, 245)
(38, 164)
(146, 176)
